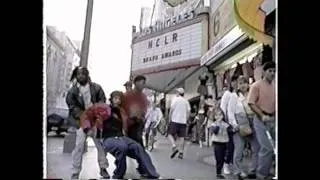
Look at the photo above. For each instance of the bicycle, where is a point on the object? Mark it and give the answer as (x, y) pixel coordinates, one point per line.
(150, 134)
(163, 127)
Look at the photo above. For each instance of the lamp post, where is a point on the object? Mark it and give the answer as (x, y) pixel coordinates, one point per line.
(70, 139)
(86, 37)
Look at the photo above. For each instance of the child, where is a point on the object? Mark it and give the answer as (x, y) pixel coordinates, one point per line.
(219, 129)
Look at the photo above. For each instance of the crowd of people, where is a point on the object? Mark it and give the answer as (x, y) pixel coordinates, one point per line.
(245, 116)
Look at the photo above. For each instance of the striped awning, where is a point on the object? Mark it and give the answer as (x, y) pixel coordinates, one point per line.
(250, 16)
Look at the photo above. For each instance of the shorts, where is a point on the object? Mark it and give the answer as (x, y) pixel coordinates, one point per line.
(177, 129)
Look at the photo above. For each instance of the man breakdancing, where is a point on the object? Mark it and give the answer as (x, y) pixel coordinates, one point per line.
(121, 146)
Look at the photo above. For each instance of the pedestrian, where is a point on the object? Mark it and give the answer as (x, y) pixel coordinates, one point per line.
(135, 105)
(261, 99)
(80, 97)
(210, 115)
(200, 126)
(128, 86)
(241, 118)
(192, 123)
(178, 116)
(224, 106)
(219, 129)
(153, 118)
(120, 146)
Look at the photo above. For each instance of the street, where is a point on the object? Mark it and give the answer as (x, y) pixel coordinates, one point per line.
(197, 164)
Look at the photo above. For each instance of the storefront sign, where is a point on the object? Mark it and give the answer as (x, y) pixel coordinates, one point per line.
(222, 20)
(169, 22)
(178, 46)
(227, 40)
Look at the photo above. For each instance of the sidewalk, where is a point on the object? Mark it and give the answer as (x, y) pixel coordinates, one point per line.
(197, 163)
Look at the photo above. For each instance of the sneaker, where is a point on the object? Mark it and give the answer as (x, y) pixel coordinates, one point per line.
(104, 173)
(252, 176)
(226, 169)
(180, 156)
(220, 176)
(174, 152)
(243, 174)
(75, 176)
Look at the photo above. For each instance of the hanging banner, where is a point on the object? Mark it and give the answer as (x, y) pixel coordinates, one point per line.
(222, 19)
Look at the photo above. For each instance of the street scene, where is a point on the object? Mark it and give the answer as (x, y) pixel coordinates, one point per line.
(198, 163)
(173, 89)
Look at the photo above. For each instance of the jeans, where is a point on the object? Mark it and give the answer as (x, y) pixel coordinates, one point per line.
(136, 132)
(230, 149)
(219, 154)
(120, 147)
(266, 148)
(78, 151)
(239, 145)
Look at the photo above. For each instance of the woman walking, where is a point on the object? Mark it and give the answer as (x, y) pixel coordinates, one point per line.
(241, 118)
(224, 107)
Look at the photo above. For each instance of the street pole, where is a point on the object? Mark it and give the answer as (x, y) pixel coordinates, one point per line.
(70, 139)
(86, 37)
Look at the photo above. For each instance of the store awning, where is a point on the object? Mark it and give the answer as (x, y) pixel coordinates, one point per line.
(250, 16)
(165, 81)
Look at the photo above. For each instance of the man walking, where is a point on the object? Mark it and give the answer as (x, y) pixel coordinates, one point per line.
(82, 95)
(261, 99)
(178, 116)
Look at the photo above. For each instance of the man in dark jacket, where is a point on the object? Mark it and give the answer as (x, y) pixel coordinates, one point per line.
(82, 95)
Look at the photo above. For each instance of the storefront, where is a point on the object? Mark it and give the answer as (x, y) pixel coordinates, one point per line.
(232, 50)
(258, 19)
(171, 55)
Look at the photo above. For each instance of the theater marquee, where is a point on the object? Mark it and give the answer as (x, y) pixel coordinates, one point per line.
(173, 49)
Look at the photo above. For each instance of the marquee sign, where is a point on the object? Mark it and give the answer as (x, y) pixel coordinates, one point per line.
(180, 47)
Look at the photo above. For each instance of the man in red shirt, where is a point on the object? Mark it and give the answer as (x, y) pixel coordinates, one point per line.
(262, 100)
(135, 106)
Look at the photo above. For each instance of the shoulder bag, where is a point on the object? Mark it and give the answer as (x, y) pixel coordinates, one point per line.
(245, 128)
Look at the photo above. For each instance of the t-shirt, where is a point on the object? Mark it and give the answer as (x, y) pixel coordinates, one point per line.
(222, 135)
(135, 105)
(112, 127)
(262, 94)
(238, 104)
(225, 101)
(180, 108)
(86, 94)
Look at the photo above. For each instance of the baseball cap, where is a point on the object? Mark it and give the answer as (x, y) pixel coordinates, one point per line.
(180, 90)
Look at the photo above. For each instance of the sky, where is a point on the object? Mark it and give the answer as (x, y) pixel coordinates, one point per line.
(112, 21)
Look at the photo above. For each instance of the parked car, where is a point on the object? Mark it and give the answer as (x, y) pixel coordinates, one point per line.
(56, 123)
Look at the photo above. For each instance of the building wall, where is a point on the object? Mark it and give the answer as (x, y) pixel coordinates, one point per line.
(62, 57)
